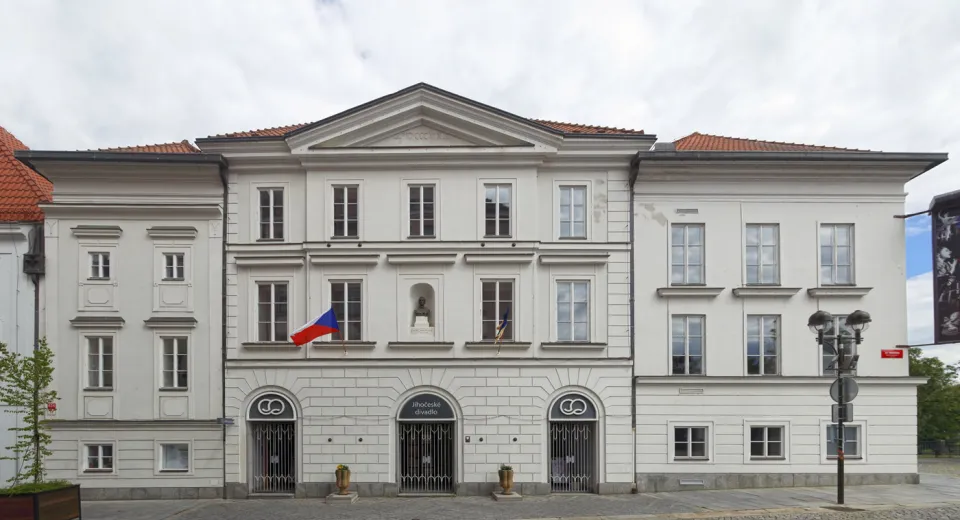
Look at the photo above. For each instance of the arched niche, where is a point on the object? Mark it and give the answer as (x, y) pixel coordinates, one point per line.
(573, 406)
(426, 407)
(271, 406)
(426, 291)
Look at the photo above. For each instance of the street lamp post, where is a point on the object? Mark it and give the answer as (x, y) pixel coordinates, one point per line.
(858, 321)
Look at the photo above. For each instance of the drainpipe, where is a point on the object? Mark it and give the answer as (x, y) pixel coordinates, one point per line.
(223, 325)
(634, 173)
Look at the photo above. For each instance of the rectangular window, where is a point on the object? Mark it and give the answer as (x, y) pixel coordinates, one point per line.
(272, 312)
(100, 266)
(688, 339)
(686, 264)
(834, 334)
(763, 345)
(347, 299)
(271, 214)
(99, 457)
(851, 441)
(99, 362)
(422, 211)
(766, 442)
(496, 299)
(175, 457)
(173, 266)
(836, 254)
(498, 200)
(346, 212)
(763, 254)
(690, 442)
(174, 362)
(573, 212)
(573, 311)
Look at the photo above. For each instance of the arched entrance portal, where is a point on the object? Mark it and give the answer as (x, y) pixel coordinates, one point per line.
(573, 444)
(273, 444)
(426, 435)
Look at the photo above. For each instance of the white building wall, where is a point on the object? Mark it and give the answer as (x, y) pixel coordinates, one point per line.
(16, 318)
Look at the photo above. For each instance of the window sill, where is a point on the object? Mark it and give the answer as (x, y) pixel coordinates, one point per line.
(846, 457)
(174, 471)
(571, 238)
(269, 344)
(688, 375)
(345, 238)
(748, 291)
(274, 240)
(691, 459)
(490, 345)
(494, 237)
(768, 459)
(173, 389)
(98, 279)
(98, 472)
(98, 389)
(422, 237)
(838, 291)
(689, 291)
(573, 345)
(173, 279)
(340, 345)
(425, 345)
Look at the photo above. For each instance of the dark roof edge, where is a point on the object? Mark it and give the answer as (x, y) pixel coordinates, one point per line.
(26, 156)
(932, 159)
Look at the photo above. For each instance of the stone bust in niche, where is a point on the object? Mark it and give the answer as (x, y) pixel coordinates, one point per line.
(421, 314)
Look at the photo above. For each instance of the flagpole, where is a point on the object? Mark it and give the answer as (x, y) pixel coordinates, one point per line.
(342, 342)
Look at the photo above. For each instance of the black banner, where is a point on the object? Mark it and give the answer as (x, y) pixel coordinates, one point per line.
(426, 407)
(945, 217)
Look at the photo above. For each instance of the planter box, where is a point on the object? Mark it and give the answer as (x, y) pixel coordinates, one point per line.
(56, 504)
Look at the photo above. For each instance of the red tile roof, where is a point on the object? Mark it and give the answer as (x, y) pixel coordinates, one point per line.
(21, 188)
(181, 147)
(718, 143)
(567, 128)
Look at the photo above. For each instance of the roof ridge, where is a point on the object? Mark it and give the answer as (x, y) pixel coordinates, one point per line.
(603, 127)
(29, 177)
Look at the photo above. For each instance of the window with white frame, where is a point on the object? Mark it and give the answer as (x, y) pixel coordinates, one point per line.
(272, 311)
(175, 362)
(99, 266)
(347, 300)
(346, 212)
(837, 333)
(173, 268)
(766, 442)
(99, 458)
(422, 210)
(690, 442)
(763, 345)
(687, 337)
(573, 310)
(271, 214)
(497, 206)
(99, 362)
(851, 441)
(496, 302)
(573, 212)
(836, 254)
(686, 252)
(763, 254)
(175, 457)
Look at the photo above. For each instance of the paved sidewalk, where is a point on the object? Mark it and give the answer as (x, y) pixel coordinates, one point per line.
(937, 497)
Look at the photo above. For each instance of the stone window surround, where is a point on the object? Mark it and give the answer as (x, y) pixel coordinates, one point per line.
(159, 471)
(83, 470)
(783, 423)
(406, 184)
(255, 188)
(482, 184)
(680, 422)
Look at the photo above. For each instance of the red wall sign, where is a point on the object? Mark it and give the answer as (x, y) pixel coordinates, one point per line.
(893, 353)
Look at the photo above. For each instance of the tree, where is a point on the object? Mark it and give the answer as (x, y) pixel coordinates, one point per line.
(24, 387)
(938, 401)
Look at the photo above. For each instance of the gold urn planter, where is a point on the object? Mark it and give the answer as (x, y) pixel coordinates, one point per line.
(343, 479)
(506, 479)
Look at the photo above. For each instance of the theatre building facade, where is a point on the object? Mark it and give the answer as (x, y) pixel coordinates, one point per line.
(422, 219)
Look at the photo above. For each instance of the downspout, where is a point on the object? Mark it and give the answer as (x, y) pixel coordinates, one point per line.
(223, 325)
(36, 252)
(634, 173)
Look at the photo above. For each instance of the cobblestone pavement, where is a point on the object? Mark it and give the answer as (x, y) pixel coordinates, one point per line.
(937, 497)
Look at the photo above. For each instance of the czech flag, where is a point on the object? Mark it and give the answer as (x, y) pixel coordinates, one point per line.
(326, 324)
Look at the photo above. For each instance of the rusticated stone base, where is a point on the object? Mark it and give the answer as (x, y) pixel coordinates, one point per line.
(149, 493)
(655, 483)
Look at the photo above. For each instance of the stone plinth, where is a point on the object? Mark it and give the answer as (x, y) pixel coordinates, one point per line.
(500, 497)
(349, 498)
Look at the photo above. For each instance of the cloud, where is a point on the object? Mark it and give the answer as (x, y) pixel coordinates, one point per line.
(918, 225)
(920, 318)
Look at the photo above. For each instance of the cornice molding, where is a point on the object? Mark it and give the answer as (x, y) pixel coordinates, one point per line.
(838, 291)
(421, 345)
(428, 362)
(172, 232)
(115, 424)
(498, 258)
(574, 258)
(572, 345)
(268, 261)
(505, 345)
(98, 322)
(106, 211)
(341, 345)
(700, 381)
(765, 291)
(689, 291)
(90, 231)
(345, 259)
(425, 258)
(170, 322)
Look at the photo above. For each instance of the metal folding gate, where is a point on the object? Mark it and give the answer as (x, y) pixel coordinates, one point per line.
(573, 457)
(273, 457)
(426, 457)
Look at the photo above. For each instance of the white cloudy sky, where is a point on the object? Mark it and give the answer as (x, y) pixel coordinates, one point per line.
(881, 75)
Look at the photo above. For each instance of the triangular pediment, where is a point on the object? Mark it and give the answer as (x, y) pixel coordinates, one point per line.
(422, 117)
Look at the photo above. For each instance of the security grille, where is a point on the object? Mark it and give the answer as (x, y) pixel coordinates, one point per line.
(573, 449)
(426, 457)
(274, 457)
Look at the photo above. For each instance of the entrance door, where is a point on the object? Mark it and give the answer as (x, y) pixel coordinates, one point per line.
(273, 444)
(426, 437)
(274, 457)
(573, 445)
